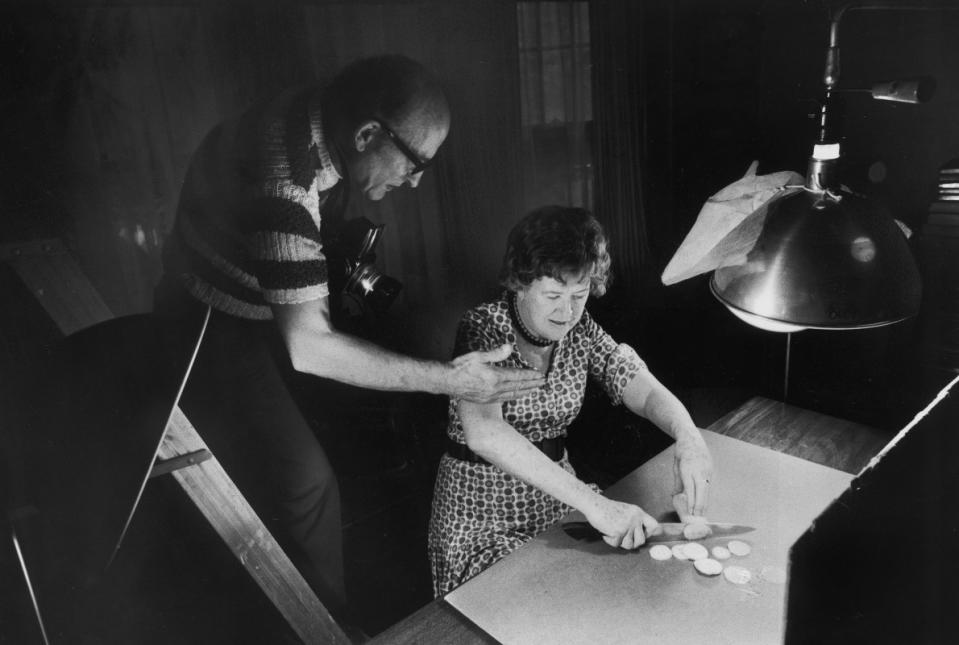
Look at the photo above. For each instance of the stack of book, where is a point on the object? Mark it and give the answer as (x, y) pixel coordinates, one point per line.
(940, 250)
(944, 212)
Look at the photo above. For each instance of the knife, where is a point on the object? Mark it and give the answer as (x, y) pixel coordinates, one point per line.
(665, 532)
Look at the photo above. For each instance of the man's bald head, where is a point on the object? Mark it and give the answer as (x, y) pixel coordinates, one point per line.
(392, 88)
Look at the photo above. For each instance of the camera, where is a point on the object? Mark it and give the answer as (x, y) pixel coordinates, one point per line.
(360, 285)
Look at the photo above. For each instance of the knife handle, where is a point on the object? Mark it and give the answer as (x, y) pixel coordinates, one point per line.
(586, 532)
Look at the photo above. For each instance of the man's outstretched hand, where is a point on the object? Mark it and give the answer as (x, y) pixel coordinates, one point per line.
(475, 379)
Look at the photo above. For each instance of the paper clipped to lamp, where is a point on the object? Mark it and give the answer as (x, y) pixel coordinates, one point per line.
(729, 224)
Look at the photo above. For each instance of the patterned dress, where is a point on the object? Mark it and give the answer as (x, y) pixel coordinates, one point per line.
(480, 513)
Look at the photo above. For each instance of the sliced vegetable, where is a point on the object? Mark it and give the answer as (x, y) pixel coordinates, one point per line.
(708, 567)
(721, 553)
(695, 551)
(740, 548)
(737, 575)
(660, 552)
(679, 551)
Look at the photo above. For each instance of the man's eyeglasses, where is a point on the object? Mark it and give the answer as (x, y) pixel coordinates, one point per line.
(419, 164)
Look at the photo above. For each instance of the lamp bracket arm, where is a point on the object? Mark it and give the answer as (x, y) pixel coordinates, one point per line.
(831, 73)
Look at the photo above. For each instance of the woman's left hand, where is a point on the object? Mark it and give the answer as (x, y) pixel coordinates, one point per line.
(693, 468)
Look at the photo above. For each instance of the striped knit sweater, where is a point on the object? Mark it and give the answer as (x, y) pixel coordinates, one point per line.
(247, 231)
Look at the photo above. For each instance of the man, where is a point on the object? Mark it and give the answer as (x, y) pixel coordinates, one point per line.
(247, 244)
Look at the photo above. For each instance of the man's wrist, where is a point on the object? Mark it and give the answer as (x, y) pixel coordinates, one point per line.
(438, 377)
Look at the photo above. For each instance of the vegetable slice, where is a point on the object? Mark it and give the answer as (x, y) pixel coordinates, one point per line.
(695, 551)
(721, 553)
(660, 552)
(737, 575)
(679, 551)
(708, 567)
(737, 547)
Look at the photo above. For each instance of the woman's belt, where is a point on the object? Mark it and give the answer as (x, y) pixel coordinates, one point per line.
(553, 448)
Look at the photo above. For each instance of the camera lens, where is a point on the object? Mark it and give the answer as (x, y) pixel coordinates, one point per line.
(366, 283)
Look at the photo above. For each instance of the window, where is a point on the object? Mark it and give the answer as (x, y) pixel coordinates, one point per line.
(556, 109)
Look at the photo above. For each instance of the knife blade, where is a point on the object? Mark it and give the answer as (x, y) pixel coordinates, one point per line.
(665, 532)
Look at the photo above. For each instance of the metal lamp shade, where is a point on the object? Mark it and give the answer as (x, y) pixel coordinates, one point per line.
(823, 264)
(909, 90)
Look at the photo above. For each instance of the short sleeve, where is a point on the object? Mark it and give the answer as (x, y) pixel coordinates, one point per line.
(613, 365)
(286, 251)
(479, 330)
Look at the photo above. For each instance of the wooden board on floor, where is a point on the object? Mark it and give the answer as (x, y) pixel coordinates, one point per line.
(235, 521)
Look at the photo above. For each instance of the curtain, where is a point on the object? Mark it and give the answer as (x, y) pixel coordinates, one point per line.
(554, 65)
(583, 104)
(480, 178)
(617, 47)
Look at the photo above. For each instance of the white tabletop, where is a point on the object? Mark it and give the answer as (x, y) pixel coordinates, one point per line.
(557, 590)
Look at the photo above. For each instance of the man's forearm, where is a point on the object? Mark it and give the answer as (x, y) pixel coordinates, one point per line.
(355, 361)
(316, 347)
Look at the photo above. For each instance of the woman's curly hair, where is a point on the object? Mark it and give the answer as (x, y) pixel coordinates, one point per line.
(556, 241)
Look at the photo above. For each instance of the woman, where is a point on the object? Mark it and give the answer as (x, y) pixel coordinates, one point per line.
(505, 476)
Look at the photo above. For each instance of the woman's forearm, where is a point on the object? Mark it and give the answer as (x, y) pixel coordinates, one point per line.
(668, 413)
(498, 443)
(650, 399)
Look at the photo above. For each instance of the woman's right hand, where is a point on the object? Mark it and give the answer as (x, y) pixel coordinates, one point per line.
(622, 525)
